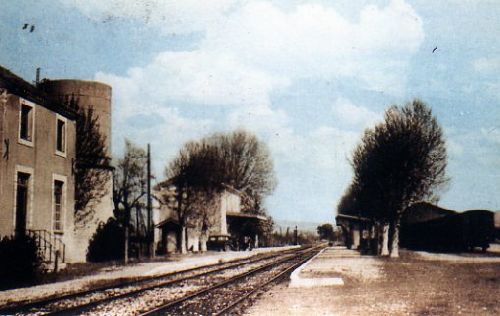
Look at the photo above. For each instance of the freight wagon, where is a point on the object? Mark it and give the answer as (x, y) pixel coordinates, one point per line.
(452, 232)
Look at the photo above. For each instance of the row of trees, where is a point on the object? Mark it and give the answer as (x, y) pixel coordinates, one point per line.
(201, 170)
(400, 161)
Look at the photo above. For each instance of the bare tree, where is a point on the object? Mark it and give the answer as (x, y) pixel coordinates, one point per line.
(203, 167)
(245, 163)
(129, 187)
(92, 168)
(399, 162)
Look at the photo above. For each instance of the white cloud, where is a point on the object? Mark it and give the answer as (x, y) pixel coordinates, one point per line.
(255, 46)
(250, 51)
(353, 116)
(313, 40)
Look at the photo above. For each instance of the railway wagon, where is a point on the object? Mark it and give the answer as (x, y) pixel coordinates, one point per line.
(454, 232)
(479, 229)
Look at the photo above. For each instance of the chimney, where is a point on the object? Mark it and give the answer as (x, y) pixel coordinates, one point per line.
(37, 80)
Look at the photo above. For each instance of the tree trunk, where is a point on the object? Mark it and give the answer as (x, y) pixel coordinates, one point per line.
(395, 239)
(384, 248)
(183, 240)
(137, 232)
(126, 233)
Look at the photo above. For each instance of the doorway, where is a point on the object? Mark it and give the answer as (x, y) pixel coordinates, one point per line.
(21, 202)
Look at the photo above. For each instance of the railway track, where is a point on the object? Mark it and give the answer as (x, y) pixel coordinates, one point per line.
(225, 298)
(132, 296)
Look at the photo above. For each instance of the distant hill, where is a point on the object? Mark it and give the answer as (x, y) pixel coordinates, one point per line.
(301, 226)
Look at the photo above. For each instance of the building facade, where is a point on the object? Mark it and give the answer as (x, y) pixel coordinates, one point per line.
(38, 154)
(37, 151)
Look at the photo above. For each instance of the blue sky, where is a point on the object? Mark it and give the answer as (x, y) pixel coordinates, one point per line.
(306, 76)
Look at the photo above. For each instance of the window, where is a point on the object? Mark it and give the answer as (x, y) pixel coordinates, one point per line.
(61, 136)
(58, 205)
(26, 116)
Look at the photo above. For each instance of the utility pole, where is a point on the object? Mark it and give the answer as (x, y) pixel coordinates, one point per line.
(296, 235)
(150, 236)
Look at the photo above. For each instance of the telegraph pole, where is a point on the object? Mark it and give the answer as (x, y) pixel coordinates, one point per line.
(149, 226)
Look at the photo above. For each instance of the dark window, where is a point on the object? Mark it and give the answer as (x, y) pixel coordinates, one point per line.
(26, 122)
(60, 136)
(58, 197)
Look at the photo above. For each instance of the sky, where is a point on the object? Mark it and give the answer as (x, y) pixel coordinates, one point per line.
(307, 77)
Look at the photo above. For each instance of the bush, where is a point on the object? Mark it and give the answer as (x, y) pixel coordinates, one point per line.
(20, 262)
(107, 242)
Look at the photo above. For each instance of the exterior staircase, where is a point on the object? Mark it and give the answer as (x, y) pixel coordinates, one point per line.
(51, 249)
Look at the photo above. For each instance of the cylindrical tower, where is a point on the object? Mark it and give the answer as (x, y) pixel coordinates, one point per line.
(87, 94)
(95, 95)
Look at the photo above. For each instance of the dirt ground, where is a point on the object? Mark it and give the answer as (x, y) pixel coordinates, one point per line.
(411, 285)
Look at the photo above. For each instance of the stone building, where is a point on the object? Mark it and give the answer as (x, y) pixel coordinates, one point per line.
(38, 152)
(219, 220)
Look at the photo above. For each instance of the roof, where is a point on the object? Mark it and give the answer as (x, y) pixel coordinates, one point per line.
(353, 218)
(167, 221)
(173, 222)
(246, 215)
(18, 86)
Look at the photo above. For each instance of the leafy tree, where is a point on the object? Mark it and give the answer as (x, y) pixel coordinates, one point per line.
(92, 168)
(399, 162)
(129, 189)
(325, 231)
(103, 245)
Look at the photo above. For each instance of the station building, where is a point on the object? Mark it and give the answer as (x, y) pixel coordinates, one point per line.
(38, 152)
(218, 222)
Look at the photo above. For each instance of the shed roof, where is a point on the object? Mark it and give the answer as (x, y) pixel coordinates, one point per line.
(246, 215)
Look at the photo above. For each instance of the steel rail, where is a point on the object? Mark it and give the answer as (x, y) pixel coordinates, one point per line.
(245, 296)
(79, 309)
(162, 308)
(26, 307)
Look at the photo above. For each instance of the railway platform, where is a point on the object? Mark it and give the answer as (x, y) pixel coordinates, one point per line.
(320, 270)
(312, 284)
(327, 268)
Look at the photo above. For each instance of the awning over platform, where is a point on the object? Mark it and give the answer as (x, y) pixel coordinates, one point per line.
(351, 218)
(246, 215)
